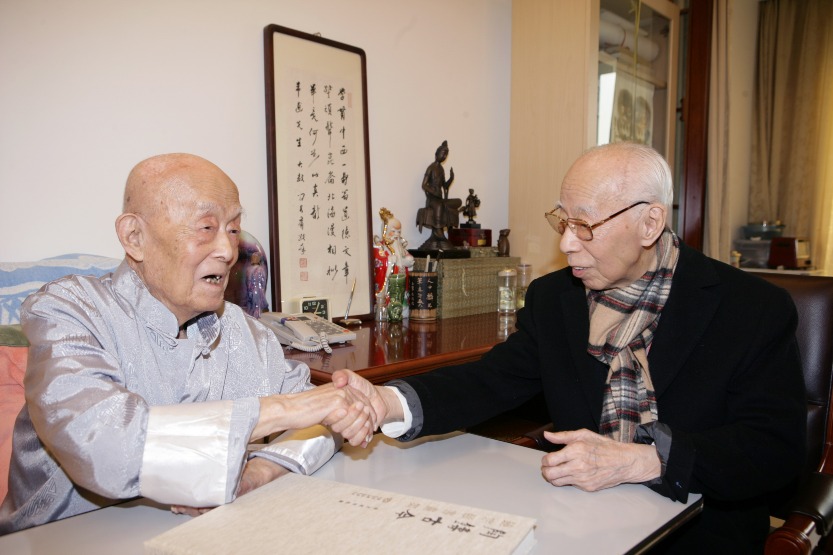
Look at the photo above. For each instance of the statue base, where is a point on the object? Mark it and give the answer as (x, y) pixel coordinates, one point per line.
(474, 237)
(470, 225)
(440, 254)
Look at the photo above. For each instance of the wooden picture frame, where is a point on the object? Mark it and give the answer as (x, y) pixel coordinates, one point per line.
(318, 172)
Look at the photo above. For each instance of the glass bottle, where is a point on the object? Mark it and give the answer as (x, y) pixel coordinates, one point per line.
(506, 285)
(524, 277)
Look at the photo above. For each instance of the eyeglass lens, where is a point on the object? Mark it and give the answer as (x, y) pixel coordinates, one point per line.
(583, 230)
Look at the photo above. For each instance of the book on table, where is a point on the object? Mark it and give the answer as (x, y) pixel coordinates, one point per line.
(303, 514)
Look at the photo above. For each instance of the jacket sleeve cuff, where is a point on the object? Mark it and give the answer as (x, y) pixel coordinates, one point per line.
(301, 451)
(676, 455)
(194, 451)
(397, 429)
(412, 405)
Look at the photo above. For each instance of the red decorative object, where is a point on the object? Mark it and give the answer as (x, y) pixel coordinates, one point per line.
(473, 236)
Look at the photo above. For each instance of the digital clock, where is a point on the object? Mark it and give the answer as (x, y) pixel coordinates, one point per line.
(319, 306)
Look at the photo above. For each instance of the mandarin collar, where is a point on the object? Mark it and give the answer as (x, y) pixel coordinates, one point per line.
(147, 308)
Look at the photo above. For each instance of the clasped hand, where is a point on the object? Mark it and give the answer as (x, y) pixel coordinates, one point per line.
(386, 406)
(346, 411)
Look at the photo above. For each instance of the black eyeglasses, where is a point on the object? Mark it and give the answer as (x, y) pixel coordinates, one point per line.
(582, 229)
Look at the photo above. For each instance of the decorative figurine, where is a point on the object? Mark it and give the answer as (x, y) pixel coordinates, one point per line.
(440, 212)
(400, 257)
(248, 276)
(503, 243)
(470, 234)
(390, 258)
(380, 258)
(470, 210)
(256, 286)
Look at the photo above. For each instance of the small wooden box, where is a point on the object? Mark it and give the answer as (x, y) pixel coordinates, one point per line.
(474, 237)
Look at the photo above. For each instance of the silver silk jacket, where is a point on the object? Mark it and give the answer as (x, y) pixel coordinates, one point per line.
(117, 406)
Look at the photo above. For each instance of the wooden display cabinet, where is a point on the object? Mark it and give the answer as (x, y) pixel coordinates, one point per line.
(636, 92)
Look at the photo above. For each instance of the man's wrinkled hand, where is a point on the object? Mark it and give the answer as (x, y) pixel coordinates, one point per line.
(592, 462)
(258, 472)
(345, 410)
(344, 378)
(355, 424)
(190, 511)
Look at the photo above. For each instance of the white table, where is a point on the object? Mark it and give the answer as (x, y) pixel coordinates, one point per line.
(457, 468)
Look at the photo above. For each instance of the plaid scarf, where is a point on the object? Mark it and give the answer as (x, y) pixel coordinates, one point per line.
(622, 325)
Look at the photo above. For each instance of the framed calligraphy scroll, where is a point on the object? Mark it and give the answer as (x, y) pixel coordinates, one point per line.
(319, 172)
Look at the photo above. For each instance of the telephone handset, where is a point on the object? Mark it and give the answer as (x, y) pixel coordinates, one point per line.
(306, 332)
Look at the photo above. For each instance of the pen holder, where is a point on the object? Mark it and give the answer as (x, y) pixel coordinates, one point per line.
(423, 295)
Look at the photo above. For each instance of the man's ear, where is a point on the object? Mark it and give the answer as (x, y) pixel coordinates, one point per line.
(653, 224)
(131, 235)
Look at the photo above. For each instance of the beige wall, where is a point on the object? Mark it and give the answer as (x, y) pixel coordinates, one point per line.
(553, 70)
(90, 87)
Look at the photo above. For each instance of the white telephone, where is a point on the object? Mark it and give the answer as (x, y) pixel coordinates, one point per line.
(306, 332)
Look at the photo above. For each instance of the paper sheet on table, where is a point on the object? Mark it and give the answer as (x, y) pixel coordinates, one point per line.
(303, 514)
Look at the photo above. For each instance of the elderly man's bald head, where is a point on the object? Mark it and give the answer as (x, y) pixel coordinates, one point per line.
(156, 183)
(180, 231)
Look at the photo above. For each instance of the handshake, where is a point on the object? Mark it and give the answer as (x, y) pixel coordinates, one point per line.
(350, 406)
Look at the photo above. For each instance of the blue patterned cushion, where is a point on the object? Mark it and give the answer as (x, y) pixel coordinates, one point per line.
(20, 279)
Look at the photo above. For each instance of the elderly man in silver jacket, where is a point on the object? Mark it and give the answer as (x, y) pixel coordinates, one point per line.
(145, 382)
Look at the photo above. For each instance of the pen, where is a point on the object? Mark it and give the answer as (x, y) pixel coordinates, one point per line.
(350, 300)
(350, 321)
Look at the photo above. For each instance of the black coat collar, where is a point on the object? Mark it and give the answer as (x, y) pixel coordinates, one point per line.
(691, 305)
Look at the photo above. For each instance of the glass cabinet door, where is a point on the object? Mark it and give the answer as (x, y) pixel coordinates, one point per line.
(637, 79)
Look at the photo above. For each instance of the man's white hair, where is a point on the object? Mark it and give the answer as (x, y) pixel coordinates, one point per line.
(646, 171)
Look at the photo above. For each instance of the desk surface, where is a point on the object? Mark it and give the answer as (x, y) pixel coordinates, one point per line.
(383, 351)
(457, 468)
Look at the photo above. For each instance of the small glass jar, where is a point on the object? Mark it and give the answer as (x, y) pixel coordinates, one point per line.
(524, 277)
(506, 290)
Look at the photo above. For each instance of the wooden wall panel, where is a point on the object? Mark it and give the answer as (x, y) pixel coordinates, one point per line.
(551, 123)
